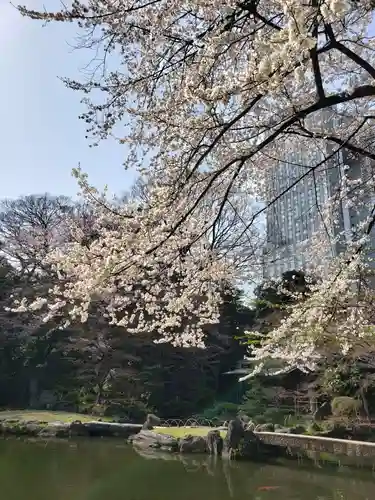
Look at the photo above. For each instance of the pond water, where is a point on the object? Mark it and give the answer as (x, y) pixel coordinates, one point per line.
(102, 470)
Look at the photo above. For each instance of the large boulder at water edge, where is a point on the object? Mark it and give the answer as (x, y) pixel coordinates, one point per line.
(150, 439)
(241, 442)
(77, 428)
(234, 435)
(151, 421)
(192, 444)
(252, 448)
(187, 444)
(248, 446)
(215, 443)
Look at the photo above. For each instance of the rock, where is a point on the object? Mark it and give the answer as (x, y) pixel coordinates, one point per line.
(246, 422)
(63, 430)
(252, 448)
(110, 429)
(248, 446)
(192, 444)
(14, 427)
(151, 421)
(150, 439)
(234, 435)
(269, 427)
(78, 429)
(244, 418)
(215, 443)
(250, 426)
(55, 429)
(31, 428)
(323, 412)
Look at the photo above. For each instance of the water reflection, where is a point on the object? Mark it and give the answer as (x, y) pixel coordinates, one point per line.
(101, 470)
(290, 481)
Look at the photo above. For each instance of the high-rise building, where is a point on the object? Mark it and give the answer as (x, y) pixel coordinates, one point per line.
(296, 213)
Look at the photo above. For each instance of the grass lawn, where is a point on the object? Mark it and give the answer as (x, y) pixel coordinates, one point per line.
(178, 432)
(56, 416)
(46, 416)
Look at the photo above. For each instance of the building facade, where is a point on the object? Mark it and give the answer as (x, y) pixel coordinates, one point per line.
(295, 215)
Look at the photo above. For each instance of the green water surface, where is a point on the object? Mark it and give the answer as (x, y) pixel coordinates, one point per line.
(109, 470)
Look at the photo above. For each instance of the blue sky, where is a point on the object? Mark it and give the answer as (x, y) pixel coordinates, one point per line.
(41, 138)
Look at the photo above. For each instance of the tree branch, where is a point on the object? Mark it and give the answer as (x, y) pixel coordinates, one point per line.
(341, 142)
(349, 53)
(315, 61)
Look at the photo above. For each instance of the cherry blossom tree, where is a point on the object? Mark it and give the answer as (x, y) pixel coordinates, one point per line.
(211, 98)
(29, 227)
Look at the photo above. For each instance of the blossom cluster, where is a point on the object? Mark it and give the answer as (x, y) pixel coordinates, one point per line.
(137, 272)
(214, 95)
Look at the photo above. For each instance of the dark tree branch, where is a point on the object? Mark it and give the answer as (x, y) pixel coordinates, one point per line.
(225, 199)
(349, 53)
(327, 102)
(251, 7)
(337, 140)
(315, 61)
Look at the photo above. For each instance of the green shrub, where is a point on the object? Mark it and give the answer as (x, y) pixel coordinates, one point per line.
(314, 428)
(344, 406)
(258, 403)
(131, 410)
(220, 412)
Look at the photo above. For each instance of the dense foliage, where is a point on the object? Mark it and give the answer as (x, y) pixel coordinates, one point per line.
(226, 104)
(99, 368)
(96, 367)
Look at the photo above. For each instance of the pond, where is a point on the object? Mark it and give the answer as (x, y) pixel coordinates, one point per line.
(108, 470)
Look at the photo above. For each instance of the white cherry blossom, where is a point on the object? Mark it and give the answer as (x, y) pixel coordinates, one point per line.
(214, 95)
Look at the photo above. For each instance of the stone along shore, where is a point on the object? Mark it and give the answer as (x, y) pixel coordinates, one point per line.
(251, 445)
